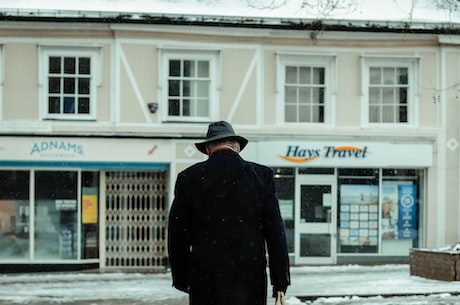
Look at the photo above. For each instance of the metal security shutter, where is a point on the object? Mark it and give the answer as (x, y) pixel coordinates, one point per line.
(135, 219)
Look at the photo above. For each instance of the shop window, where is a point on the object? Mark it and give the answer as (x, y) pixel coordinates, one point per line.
(379, 217)
(358, 211)
(306, 86)
(90, 215)
(56, 215)
(190, 84)
(14, 215)
(285, 187)
(69, 78)
(400, 209)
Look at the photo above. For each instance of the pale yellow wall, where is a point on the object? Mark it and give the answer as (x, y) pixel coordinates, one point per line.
(270, 93)
(142, 61)
(452, 102)
(235, 64)
(104, 96)
(20, 89)
(348, 100)
(428, 108)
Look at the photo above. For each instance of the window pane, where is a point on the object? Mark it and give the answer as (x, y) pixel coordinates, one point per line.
(54, 85)
(304, 114)
(83, 105)
(388, 114)
(304, 75)
(316, 112)
(321, 93)
(174, 107)
(189, 68)
(375, 76)
(403, 76)
(291, 75)
(403, 114)
(318, 76)
(69, 65)
(388, 95)
(174, 89)
(83, 85)
(14, 214)
(374, 114)
(315, 245)
(69, 104)
(317, 92)
(174, 68)
(54, 105)
(203, 68)
(90, 221)
(374, 95)
(202, 108)
(290, 113)
(56, 215)
(290, 95)
(403, 95)
(202, 89)
(304, 95)
(389, 76)
(186, 108)
(55, 65)
(84, 66)
(69, 85)
(186, 88)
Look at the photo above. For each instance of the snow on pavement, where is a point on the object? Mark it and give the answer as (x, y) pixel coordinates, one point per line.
(317, 285)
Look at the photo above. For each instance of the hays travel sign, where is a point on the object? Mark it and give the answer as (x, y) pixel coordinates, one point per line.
(342, 154)
(297, 154)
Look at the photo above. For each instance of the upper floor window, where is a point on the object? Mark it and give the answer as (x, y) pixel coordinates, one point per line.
(391, 93)
(69, 79)
(307, 87)
(191, 85)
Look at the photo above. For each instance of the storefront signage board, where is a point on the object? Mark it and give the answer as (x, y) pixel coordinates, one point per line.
(85, 149)
(341, 154)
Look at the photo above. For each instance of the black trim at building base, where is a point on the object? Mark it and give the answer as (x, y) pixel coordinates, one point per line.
(29, 268)
(371, 259)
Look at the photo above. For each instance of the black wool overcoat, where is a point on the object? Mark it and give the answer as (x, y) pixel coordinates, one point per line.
(224, 217)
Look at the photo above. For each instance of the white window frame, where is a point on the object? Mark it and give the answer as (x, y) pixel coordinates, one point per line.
(170, 54)
(94, 53)
(326, 61)
(413, 66)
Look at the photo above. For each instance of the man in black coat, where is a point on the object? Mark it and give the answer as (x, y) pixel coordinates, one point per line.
(224, 218)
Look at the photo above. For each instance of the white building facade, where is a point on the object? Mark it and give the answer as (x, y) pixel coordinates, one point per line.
(100, 112)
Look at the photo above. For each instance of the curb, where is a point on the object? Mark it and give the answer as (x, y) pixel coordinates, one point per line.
(384, 295)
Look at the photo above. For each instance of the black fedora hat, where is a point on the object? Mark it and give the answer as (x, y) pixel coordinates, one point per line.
(217, 131)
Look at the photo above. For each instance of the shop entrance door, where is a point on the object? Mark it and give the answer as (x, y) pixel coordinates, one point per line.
(316, 220)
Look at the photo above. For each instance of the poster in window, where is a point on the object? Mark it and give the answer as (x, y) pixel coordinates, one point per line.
(89, 209)
(407, 225)
(389, 222)
(362, 200)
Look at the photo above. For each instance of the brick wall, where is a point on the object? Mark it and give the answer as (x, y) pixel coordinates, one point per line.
(436, 265)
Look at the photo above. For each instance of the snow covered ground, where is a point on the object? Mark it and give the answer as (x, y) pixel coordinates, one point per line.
(331, 285)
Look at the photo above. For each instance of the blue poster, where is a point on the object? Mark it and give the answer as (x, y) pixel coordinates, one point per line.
(407, 222)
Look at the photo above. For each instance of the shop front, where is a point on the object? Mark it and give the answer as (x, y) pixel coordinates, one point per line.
(70, 203)
(350, 202)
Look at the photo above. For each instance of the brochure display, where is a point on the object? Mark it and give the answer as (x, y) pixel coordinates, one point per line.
(358, 220)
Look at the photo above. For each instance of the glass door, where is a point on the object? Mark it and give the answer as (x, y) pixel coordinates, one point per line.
(316, 220)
